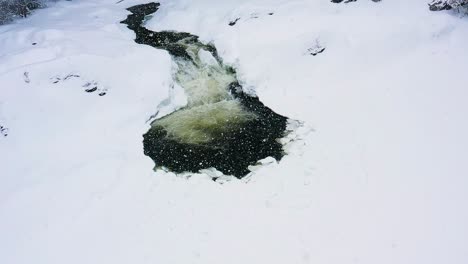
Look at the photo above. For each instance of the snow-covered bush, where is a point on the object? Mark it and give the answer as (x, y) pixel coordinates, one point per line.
(437, 5)
(11, 9)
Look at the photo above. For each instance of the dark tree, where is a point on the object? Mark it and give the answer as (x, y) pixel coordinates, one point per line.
(11, 9)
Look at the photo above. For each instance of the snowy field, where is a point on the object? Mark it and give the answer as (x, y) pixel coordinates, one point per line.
(377, 174)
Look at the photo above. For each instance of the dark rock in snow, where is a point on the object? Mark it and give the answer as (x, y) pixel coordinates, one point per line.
(26, 77)
(90, 90)
(316, 50)
(233, 22)
(90, 86)
(3, 131)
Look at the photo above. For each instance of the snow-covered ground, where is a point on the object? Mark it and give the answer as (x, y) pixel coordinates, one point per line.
(378, 172)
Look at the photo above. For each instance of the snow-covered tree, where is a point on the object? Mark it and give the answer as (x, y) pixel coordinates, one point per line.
(437, 5)
(10, 9)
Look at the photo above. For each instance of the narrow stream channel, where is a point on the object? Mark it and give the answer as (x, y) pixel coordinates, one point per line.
(221, 126)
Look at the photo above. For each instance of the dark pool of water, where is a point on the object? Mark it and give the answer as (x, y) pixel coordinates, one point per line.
(233, 149)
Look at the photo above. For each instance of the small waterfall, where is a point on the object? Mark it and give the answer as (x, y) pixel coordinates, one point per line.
(221, 126)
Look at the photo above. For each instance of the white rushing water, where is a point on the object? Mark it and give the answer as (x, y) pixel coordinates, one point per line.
(211, 110)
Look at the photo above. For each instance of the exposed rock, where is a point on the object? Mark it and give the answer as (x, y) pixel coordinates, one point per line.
(3, 131)
(90, 86)
(233, 22)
